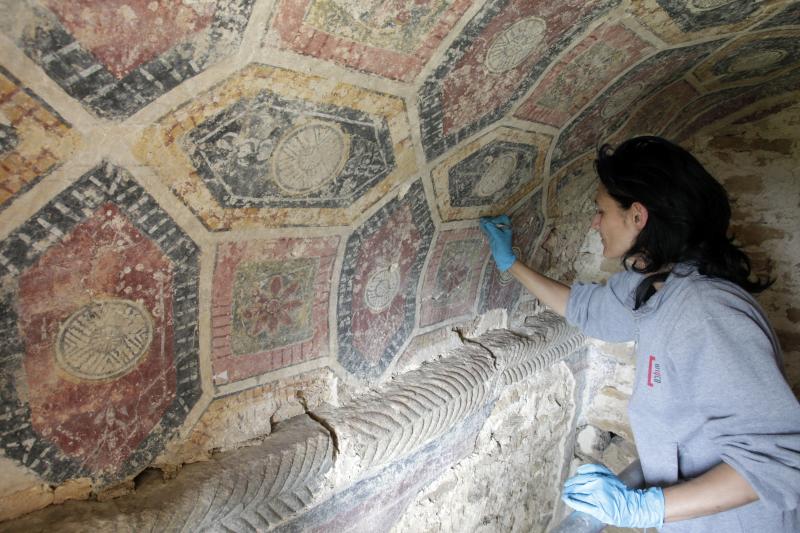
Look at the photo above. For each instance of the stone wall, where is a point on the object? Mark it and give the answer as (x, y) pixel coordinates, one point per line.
(220, 216)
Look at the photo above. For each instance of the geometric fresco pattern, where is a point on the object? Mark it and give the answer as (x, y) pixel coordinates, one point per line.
(116, 69)
(98, 331)
(490, 174)
(453, 274)
(378, 286)
(717, 105)
(790, 16)
(576, 78)
(614, 107)
(572, 189)
(498, 56)
(268, 152)
(392, 39)
(681, 21)
(270, 305)
(34, 139)
(500, 290)
(751, 59)
(651, 115)
(273, 147)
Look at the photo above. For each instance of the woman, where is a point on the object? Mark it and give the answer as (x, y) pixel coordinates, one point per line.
(716, 426)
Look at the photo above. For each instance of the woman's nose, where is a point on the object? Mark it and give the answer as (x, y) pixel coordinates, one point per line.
(596, 221)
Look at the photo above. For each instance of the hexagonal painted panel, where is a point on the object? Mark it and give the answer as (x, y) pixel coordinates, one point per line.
(499, 55)
(751, 59)
(270, 305)
(98, 327)
(273, 147)
(572, 190)
(454, 271)
(581, 73)
(269, 151)
(611, 109)
(116, 57)
(394, 39)
(378, 285)
(489, 174)
(677, 21)
(34, 139)
(500, 290)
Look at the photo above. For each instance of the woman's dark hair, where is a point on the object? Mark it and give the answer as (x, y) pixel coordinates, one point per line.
(688, 212)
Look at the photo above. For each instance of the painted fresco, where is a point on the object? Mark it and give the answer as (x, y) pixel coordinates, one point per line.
(392, 38)
(614, 107)
(751, 59)
(716, 106)
(652, 116)
(273, 147)
(789, 16)
(680, 21)
(270, 305)
(98, 331)
(489, 174)
(34, 139)
(454, 271)
(572, 190)
(378, 286)
(575, 79)
(500, 290)
(499, 55)
(116, 57)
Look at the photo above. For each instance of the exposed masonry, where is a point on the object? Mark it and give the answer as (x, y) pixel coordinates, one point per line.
(310, 459)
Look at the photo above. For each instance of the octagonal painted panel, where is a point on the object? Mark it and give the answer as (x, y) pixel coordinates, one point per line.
(489, 174)
(612, 108)
(270, 305)
(499, 55)
(393, 39)
(98, 331)
(751, 59)
(34, 139)
(116, 57)
(499, 290)
(450, 286)
(679, 21)
(273, 147)
(575, 79)
(378, 285)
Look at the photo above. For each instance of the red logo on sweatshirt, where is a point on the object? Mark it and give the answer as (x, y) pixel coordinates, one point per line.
(653, 372)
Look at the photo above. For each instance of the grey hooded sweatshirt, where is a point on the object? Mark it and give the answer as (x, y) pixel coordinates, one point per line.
(709, 388)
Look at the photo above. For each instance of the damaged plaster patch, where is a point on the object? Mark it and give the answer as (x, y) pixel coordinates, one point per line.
(510, 481)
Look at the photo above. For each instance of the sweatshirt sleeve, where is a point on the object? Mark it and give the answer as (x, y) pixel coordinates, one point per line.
(600, 311)
(732, 377)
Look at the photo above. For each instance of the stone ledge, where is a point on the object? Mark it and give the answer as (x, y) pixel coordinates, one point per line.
(309, 459)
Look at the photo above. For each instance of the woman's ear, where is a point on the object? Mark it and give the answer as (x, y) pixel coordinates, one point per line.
(639, 213)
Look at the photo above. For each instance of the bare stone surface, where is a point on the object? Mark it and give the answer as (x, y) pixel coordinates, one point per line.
(511, 480)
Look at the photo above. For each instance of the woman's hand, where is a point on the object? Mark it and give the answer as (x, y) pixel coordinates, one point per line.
(498, 229)
(596, 491)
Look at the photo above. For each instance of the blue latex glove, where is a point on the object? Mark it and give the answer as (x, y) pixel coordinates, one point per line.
(498, 229)
(596, 491)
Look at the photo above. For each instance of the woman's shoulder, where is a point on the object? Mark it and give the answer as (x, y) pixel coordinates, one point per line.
(706, 297)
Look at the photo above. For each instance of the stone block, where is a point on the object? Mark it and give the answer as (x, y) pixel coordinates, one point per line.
(608, 411)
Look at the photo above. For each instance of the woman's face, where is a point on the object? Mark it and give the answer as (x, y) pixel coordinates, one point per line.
(618, 227)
